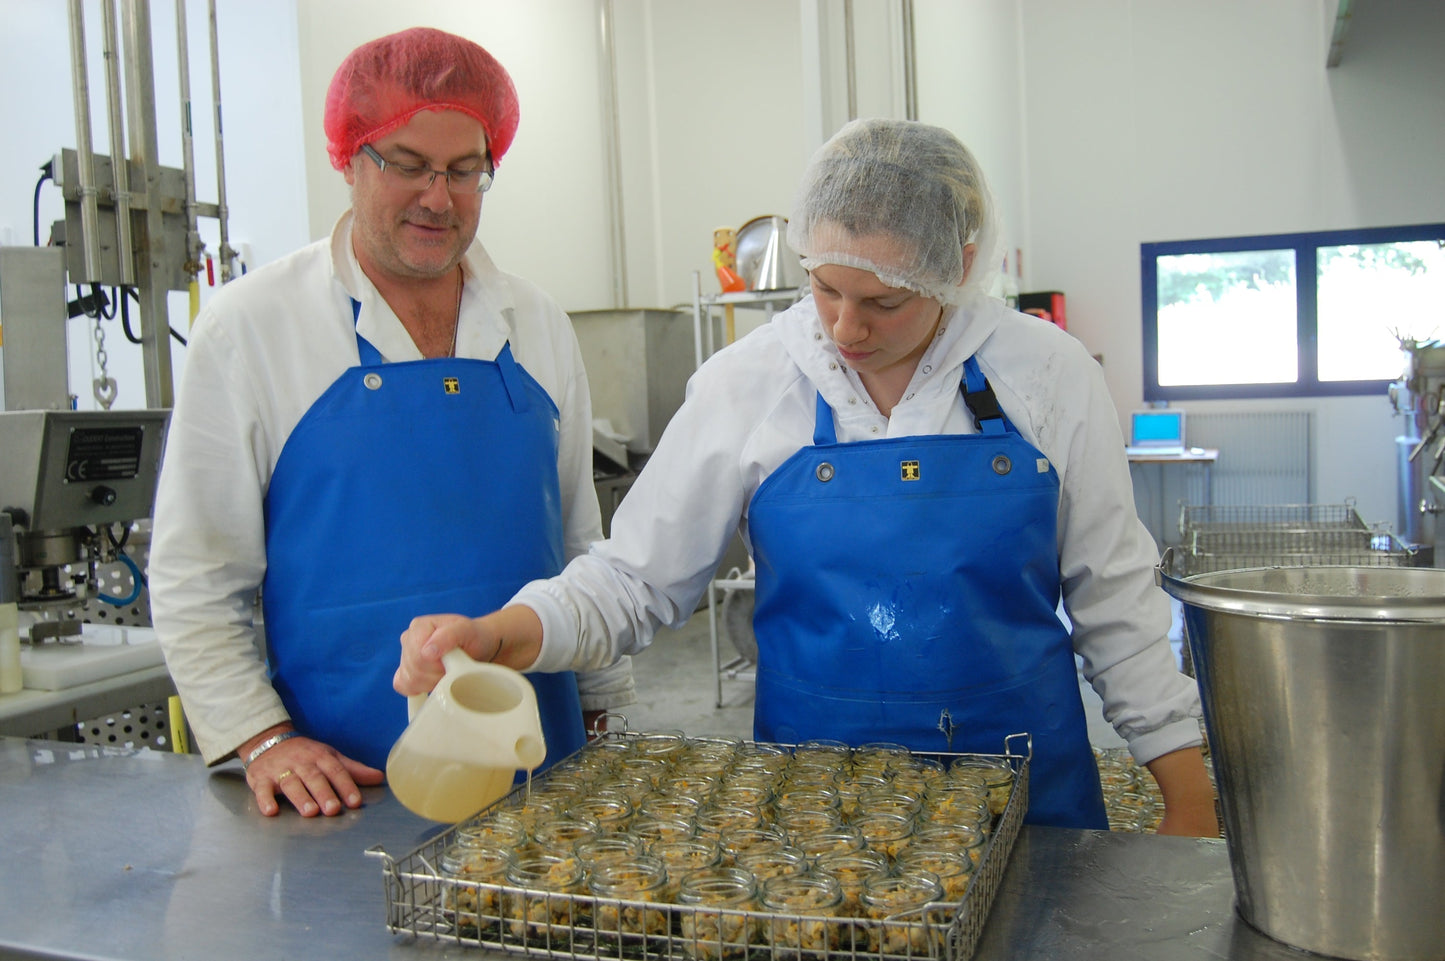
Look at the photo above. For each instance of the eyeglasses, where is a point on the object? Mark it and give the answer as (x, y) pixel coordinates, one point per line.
(420, 177)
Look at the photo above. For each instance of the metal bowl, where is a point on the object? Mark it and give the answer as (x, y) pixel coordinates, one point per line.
(764, 258)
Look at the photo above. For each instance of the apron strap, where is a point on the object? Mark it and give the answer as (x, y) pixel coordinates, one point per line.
(369, 356)
(982, 403)
(823, 430)
(978, 397)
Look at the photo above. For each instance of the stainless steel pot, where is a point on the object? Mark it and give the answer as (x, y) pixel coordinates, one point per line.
(1324, 698)
(764, 258)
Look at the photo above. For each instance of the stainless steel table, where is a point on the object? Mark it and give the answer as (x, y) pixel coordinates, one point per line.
(118, 854)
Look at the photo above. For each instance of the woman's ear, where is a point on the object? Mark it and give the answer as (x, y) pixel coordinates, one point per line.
(968, 251)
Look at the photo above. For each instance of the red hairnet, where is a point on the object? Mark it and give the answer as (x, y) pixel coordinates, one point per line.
(384, 83)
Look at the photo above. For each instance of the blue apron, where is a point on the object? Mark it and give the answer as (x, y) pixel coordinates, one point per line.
(906, 592)
(406, 489)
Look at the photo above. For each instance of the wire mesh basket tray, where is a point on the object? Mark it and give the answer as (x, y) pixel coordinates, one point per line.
(1217, 538)
(425, 901)
(1253, 517)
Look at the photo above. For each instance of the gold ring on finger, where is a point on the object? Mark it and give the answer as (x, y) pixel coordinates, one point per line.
(283, 776)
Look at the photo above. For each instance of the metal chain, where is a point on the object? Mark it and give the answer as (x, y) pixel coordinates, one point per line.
(104, 386)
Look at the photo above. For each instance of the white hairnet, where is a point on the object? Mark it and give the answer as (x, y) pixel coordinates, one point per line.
(900, 199)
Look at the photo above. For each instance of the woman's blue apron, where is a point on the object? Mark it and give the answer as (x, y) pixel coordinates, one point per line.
(906, 592)
(409, 488)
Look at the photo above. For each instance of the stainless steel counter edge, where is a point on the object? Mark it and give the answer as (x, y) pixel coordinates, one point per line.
(120, 854)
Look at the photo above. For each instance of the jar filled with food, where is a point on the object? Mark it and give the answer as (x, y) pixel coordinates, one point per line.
(893, 904)
(851, 869)
(664, 745)
(806, 823)
(957, 802)
(714, 913)
(607, 849)
(669, 807)
(997, 773)
(878, 757)
(629, 897)
(651, 829)
(500, 828)
(478, 869)
(547, 906)
(964, 838)
(743, 840)
(884, 831)
(836, 839)
(894, 799)
(683, 856)
(643, 768)
(953, 868)
(852, 787)
(719, 818)
(564, 832)
(610, 811)
(755, 794)
(766, 864)
(805, 911)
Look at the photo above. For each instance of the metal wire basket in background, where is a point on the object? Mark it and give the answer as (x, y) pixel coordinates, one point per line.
(1230, 537)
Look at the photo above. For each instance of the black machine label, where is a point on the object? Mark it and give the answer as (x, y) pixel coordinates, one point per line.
(103, 453)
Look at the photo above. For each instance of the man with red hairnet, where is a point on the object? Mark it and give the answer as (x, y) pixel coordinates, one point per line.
(347, 410)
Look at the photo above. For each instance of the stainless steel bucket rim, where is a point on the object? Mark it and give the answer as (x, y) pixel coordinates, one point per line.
(1415, 608)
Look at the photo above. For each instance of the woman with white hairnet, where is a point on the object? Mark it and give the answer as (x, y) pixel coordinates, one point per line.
(921, 475)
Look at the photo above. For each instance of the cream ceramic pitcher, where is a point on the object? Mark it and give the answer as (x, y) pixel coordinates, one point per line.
(466, 740)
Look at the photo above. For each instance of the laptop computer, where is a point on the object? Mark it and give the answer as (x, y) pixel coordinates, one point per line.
(1158, 431)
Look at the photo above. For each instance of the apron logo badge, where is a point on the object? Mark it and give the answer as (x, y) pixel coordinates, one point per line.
(451, 385)
(909, 470)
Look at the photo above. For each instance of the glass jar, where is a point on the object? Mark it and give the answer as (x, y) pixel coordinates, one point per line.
(603, 849)
(651, 829)
(742, 840)
(877, 757)
(618, 886)
(501, 828)
(712, 919)
(806, 908)
(669, 807)
(954, 869)
(753, 795)
(717, 819)
(888, 896)
(683, 856)
(610, 811)
(644, 768)
(836, 839)
(476, 903)
(550, 880)
(963, 838)
(884, 831)
(663, 745)
(958, 802)
(806, 824)
(894, 798)
(851, 869)
(998, 775)
(766, 864)
(851, 787)
(564, 832)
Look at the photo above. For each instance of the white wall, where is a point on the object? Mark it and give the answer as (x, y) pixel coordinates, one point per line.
(1102, 124)
(1153, 120)
(262, 125)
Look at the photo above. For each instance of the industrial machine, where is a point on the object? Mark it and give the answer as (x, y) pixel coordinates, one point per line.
(1420, 397)
(77, 486)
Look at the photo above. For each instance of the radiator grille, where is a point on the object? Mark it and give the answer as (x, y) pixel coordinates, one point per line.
(1264, 458)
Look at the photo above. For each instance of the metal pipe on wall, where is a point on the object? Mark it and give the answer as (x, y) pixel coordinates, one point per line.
(194, 247)
(850, 56)
(85, 155)
(611, 148)
(228, 256)
(910, 65)
(120, 168)
(145, 156)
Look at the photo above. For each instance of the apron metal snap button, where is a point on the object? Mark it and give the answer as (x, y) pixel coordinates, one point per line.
(824, 472)
(372, 381)
(1002, 465)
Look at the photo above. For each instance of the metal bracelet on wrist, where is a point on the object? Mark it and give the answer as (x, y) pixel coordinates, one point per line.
(267, 745)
